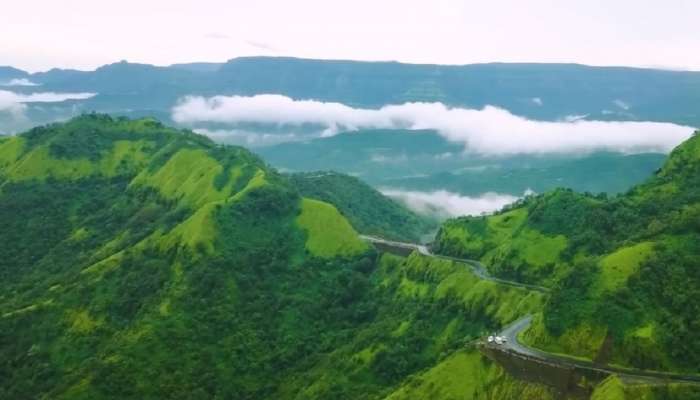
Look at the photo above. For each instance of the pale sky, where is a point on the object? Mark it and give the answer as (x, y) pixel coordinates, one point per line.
(84, 34)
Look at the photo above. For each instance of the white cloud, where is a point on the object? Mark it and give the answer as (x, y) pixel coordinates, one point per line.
(9, 104)
(20, 82)
(444, 204)
(51, 97)
(623, 105)
(537, 100)
(15, 103)
(574, 118)
(491, 130)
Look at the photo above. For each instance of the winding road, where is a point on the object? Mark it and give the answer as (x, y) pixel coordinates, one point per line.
(512, 331)
(477, 268)
(514, 345)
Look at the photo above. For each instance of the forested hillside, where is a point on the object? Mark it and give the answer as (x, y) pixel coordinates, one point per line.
(623, 269)
(142, 262)
(367, 210)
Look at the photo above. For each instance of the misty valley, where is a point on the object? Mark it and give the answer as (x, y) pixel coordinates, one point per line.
(274, 227)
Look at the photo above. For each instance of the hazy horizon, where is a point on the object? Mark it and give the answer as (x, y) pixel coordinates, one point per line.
(224, 61)
(627, 33)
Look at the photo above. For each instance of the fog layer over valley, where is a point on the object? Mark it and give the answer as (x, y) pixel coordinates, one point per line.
(442, 204)
(372, 200)
(421, 129)
(487, 131)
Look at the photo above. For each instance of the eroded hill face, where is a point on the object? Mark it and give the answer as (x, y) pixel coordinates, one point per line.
(137, 261)
(624, 269)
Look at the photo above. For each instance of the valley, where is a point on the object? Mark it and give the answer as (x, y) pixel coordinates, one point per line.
(414, 132)
(132, 238)
(349, 200)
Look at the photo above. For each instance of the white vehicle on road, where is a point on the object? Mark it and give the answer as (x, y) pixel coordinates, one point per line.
(496, 339)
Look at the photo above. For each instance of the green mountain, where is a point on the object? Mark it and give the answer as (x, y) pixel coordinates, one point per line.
(623, 269)
(143, 262)
(421, 161)
(367, 210)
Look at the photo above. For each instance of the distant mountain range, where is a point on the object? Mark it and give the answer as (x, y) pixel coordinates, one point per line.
(539, 91)
(422, 160)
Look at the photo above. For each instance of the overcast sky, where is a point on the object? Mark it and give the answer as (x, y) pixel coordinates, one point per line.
(41, 34)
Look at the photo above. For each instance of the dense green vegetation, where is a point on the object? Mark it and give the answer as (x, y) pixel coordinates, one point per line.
(138, 261)
(623, 269)
(366, 209)
(614, 388)
(141, 262)
(410, 160)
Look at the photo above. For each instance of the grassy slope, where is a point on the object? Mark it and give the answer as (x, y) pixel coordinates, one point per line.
(423, 321)
(468, 375)
(620, 266)
(504, 242)
(329, 234)
(123, 229)
(367, 210)
(161, 240)
(614, 388)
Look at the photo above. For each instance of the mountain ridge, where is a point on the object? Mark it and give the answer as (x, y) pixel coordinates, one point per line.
(127, 239)
(592, 90)
(617, 265)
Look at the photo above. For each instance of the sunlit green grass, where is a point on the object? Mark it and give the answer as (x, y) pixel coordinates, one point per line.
(329, 234)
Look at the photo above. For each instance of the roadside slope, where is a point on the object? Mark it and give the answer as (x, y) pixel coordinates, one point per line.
(620, 267)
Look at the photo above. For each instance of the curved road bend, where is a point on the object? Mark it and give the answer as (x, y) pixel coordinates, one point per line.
(511, 331)
(477, 268)
(512, 344)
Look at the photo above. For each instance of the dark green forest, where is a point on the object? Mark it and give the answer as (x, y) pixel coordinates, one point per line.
(368, 210)
(624, 265)
(137, 261)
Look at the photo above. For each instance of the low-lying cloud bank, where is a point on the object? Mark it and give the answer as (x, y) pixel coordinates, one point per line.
(490, 131)
(19, 82)
(15, 103)
(443, 204)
